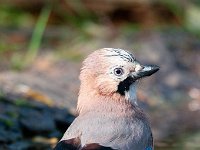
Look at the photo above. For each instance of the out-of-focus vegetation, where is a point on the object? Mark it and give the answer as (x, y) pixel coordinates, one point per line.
(23, 24)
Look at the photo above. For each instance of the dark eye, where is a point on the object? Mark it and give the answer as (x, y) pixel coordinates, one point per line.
(118, 71)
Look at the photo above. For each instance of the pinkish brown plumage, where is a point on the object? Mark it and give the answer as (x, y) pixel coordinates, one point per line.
(107, 103)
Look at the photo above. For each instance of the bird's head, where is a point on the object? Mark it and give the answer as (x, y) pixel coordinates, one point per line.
(111, 71)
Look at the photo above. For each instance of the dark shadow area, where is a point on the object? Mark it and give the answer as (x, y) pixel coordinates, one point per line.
(27, 124)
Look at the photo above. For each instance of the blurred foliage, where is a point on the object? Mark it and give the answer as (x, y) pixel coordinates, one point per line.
(37, 34)
(192, 19)
(6, 121)
(173, 6)
(26, 27)
(13, 17)
(21, 102)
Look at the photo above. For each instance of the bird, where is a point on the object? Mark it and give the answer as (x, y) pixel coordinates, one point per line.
(109, 117)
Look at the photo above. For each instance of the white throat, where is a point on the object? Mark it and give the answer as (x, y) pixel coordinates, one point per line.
(131, 94)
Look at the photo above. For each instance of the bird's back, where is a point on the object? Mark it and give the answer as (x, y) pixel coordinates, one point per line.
(124, 129)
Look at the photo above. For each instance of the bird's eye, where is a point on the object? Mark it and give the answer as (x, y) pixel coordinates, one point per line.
(118, 71)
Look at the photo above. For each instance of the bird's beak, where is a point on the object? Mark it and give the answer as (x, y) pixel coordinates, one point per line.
(144, 70)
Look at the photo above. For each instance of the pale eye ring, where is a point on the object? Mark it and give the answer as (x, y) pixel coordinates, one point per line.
(118, 71)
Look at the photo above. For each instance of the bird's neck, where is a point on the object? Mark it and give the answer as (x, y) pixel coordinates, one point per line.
(90, 100)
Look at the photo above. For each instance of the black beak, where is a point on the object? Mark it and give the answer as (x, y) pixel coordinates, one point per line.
(144, 71)
(147, 71)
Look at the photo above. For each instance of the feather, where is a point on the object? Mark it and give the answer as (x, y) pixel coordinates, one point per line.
(74, 144)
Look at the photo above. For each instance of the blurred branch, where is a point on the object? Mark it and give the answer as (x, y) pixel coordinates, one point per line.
(38, 33)
(35, 41)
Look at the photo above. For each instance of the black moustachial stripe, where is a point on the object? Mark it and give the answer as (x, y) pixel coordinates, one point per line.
(124, 85)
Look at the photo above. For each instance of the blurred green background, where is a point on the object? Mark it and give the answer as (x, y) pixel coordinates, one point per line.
(43, 42)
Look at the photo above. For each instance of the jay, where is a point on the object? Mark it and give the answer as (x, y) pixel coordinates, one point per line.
(109, 116)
